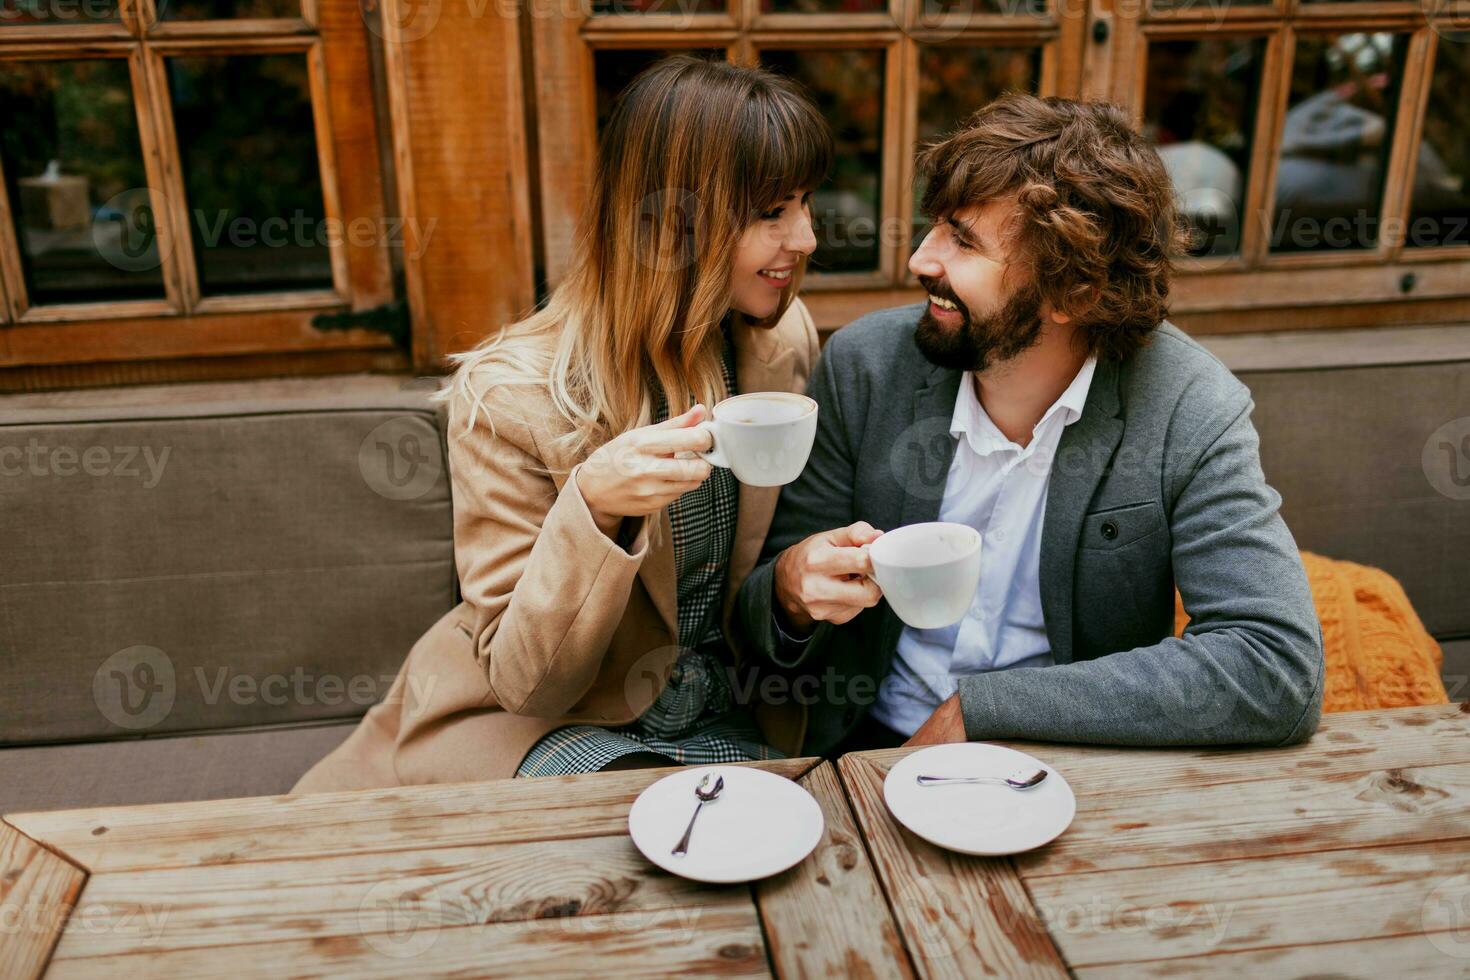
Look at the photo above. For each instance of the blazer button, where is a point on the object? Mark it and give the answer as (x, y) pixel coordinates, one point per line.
(849, 716)
(1109, 530)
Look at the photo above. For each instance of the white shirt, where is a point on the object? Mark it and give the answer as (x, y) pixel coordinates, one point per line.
(998, 488)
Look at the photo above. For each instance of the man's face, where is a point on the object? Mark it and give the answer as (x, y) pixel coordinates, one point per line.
(978, 315)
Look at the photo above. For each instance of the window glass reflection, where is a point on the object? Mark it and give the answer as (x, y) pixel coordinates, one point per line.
(847, 86)
(1335, 141)
(1440, 210)
(247, 144)
(75, 181)
(956, 81)
(1200, 111)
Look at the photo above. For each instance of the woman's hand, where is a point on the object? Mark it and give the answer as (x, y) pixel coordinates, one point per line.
(636, 474)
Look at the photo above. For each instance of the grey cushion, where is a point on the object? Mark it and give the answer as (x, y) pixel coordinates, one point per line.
(207, 567)
(162, 770)
(1456, 669)
(1343, 446)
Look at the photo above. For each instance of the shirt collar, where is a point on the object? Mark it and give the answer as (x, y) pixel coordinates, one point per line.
(973, 423)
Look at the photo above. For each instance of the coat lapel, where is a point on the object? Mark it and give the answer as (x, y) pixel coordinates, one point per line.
(762, 363)
(1085, 450)
(657, 575)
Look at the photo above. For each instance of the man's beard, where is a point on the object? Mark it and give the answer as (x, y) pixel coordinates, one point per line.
(977, 343)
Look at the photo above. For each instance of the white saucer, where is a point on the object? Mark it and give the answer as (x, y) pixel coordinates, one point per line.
(978, 818)
(761, 824)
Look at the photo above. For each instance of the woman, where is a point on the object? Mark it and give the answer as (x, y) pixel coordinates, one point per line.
(597, 555)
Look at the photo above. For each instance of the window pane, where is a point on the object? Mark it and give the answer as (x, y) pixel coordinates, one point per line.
(823, 6)
(1440, 210)
(1335, 141)
(226, 9)
(847, 87)
(1214, 6)
(605, 7)
(614, 68)
(75, 181)
(954, 82)
(1200, 110)
(248, 151)
(57, 12)
(934, 10)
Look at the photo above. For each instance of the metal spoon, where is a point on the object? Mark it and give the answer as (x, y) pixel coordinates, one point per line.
(1020, 779)
(705, 796)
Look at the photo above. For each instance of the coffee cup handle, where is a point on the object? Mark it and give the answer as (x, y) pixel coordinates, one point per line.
(870, 578)
(712, 455)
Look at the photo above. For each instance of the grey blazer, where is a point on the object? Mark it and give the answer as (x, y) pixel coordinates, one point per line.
(1157, 484)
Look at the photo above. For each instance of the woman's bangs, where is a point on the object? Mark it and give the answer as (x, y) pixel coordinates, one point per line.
(783, 148)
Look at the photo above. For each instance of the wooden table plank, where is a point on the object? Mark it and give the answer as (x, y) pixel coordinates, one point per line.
(1397, 956)
(715, 941)
(1229, 906)
(37, 893)
(322, 898)
(270, 828)
(1180, 825)
(1346, 742)
(960, 916)
(827, 917)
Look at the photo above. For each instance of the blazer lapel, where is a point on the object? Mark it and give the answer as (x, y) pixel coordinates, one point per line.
(1086, 448)
(931, 410)
(933, 447)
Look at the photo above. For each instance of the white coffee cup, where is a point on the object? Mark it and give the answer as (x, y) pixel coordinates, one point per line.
(765, 437)
(928, 572)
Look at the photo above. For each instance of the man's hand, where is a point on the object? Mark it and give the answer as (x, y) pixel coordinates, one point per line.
(825, 578)
(946, 724)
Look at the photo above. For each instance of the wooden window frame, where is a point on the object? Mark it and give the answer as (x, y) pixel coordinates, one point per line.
(1092, 49)
(41, 343)
(565, 91)
(1257, 290)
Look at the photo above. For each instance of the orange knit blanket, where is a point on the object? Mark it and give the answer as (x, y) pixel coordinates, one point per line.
(1378, 654)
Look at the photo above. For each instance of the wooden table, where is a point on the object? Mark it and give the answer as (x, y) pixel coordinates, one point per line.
(508, 878)
(1349, 856)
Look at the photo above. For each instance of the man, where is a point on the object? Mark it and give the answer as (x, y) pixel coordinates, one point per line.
(1041, 398)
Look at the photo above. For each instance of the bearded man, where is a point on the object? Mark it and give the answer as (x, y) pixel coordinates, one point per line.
(1040, 397)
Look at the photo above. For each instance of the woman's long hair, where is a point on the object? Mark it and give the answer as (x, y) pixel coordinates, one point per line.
(693, 153)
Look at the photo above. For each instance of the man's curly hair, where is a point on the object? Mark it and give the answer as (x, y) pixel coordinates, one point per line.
(1099, 227)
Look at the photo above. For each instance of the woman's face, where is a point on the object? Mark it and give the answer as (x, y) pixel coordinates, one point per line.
(768, 253)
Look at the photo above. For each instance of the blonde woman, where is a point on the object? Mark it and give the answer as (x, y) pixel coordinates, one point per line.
(597, 556)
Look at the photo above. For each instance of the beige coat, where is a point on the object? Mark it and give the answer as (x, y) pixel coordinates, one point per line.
(559, 624)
